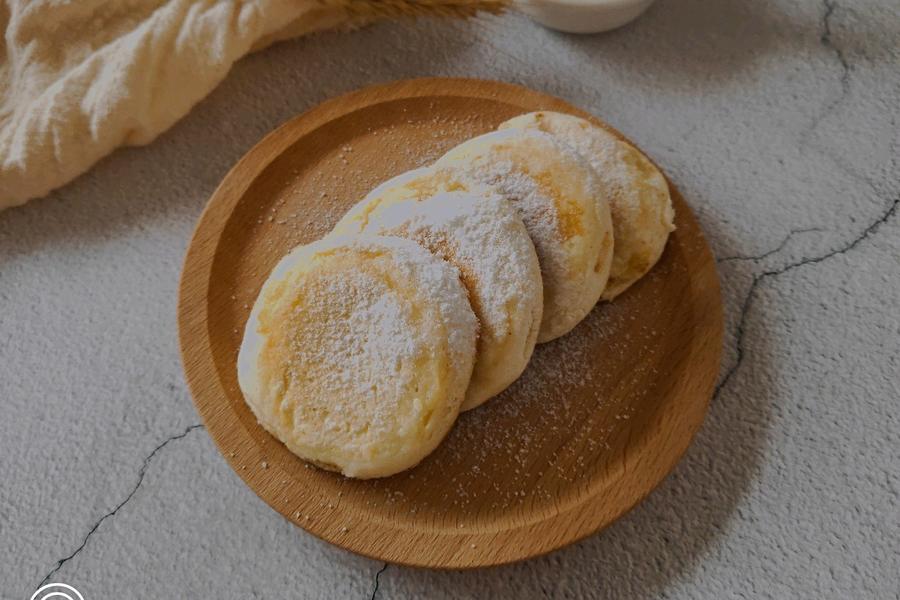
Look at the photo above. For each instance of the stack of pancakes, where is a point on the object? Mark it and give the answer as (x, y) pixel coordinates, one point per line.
(430, 294)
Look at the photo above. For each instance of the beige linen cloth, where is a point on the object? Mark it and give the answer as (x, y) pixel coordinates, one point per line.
(79, 78)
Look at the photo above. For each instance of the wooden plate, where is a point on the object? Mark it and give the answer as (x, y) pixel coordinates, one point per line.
(597, 420)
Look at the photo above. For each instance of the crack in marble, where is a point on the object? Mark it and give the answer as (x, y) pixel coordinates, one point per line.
(830, 7)
(838, 161)
(141, 473)
(828, 43)
(377, 576)
(758, 279)
(769, 253)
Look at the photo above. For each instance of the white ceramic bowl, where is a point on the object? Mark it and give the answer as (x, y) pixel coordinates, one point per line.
(583, 16)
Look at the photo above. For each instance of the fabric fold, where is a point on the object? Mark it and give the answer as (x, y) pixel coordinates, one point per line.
(79, 79)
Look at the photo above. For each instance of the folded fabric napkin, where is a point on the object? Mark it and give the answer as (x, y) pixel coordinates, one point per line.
(79, 78)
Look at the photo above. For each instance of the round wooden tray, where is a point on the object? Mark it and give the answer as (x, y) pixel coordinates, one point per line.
(595, 423)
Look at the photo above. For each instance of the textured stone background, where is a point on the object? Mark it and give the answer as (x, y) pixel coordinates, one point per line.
(780, 121)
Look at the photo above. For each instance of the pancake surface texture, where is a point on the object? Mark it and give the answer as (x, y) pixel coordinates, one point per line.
(486, 240)
(553, 190)
(417, 184)
(636, 191)
(358, 352)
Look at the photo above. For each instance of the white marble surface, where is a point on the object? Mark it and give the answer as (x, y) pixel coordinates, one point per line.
(780, 121)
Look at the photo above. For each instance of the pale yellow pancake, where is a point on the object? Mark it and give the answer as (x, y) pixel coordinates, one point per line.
(637, 193)
(358, 352)
(553, 190)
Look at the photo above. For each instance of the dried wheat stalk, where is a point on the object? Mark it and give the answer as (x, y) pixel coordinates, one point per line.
(366, 10)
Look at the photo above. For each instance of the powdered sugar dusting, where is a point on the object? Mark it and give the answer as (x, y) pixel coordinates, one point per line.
(476, 234)
(438, 283)
(563, 222)
(536, 208)
(365, 352)
(637, 193)
(344, 335)
(486, 239)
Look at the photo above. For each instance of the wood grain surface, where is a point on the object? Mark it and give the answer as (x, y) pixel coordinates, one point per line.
(595, 423)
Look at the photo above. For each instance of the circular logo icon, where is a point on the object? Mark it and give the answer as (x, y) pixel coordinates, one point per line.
(57, 591)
